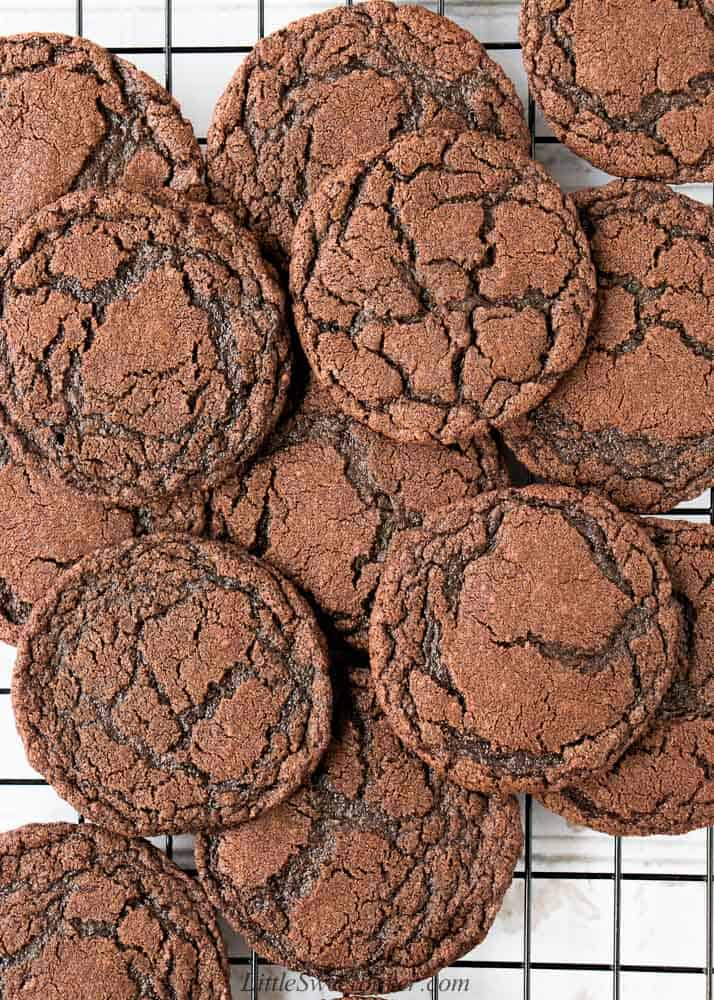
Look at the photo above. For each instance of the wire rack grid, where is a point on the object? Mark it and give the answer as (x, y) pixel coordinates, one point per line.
(700, 975)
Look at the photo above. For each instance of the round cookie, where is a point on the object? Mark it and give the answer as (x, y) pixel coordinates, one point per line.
(339, 84)
(143, 347)
(374, 875)
(73, 116)
(634, 419)
(523, 639)
(47, 528)
(90, 915)
(170, 684)
(663, 783)
(441, 286)
(627, 86)
(327, 494)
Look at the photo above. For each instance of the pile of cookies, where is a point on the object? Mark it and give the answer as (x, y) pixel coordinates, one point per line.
(262, 554)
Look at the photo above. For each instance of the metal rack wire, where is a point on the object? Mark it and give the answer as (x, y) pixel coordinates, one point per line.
(528, 875)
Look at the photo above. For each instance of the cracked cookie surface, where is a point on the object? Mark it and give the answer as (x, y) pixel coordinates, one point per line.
(376, 873)
(171, 684)
(143, 347)
(663, 783)
(91, 915)
(626, 84)
(337, 85)
(634, 419)
(327, 494)
(523, 638)
(441, 286)
(47, 528)
(73, 116)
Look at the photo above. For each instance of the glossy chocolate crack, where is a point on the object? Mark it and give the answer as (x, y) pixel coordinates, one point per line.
(441, 286)
(634, 417)
(664, 783)
(170, 685)
(337, 85)
(47, 528)
(73, 116)
(327, 495)
(627, 84)
(86, 913)
(143, 348)
(522, 638)
(374, 875)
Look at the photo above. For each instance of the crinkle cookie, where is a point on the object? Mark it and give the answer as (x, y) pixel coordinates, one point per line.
(46, 528)
(327, 494)
(339, 84)
(74, 116)
(441, 286)
(375, 874)
(635, 418)
(627, 84)
(171, 684)
(663, 783)
(143, 346)
(89, 915)
(523, 640)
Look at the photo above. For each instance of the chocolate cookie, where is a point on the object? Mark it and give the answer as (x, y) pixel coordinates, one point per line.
(663, 784)
(143, 348)
(73, 116)
(90, 915)
(170, 684)
(635, 418)
(340, 84)
(523, 639)
(441, 286)
(46, 528)
(374, 875)
(327, 495)
(629, 86)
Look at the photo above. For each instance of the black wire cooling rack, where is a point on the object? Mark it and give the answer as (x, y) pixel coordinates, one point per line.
(527, 874)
